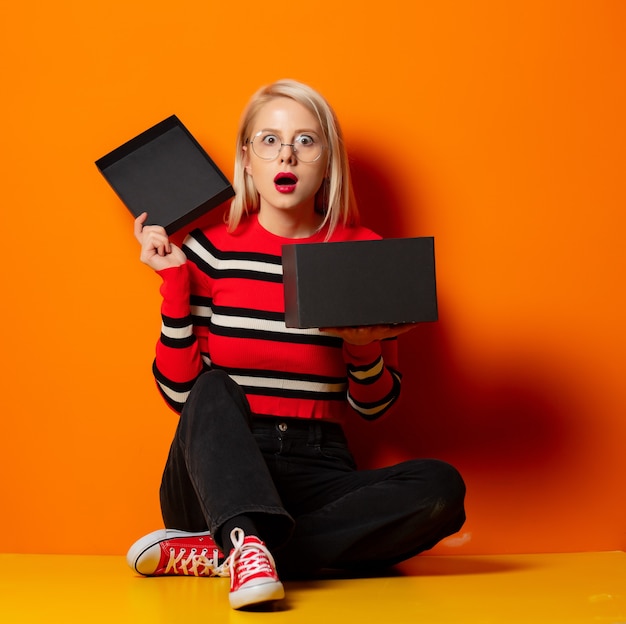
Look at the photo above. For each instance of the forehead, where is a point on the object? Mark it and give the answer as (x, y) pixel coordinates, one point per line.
(285, 114)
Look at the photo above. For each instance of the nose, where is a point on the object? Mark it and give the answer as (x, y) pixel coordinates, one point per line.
(289, 156)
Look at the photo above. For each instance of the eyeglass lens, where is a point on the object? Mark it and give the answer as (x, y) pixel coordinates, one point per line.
(307, 146)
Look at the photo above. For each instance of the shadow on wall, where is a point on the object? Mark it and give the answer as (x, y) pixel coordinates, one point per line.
(381, 208)
(510, 418)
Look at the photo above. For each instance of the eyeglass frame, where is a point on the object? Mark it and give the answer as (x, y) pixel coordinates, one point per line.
(293, 147)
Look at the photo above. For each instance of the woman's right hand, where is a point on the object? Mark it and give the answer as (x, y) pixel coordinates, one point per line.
(156, 249)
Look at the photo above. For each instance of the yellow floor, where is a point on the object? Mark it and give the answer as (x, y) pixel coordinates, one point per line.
(584, 587)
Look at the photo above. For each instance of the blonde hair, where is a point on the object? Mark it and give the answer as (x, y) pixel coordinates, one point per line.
(335, 198)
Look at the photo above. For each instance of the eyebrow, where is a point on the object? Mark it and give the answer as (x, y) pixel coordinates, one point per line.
(300, 131)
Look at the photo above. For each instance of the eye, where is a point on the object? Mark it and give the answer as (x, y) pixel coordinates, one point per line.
(305, 140)
(269, 139)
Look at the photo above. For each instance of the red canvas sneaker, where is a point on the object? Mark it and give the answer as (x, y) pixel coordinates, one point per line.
(253, 577)
(171, 552)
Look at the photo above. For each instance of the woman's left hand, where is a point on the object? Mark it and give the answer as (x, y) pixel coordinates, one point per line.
(369, 333)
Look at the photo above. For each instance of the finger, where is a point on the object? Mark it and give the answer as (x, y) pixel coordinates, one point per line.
(139, 221)
(155, 237)
(164, 249)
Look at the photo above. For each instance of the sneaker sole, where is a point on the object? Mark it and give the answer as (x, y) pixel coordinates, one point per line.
(265, 592)
(156, 537)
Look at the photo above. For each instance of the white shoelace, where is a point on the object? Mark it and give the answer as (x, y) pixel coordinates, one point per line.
(196, 563)
(249, 559)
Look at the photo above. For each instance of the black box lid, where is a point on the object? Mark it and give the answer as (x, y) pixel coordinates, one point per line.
(165, 172)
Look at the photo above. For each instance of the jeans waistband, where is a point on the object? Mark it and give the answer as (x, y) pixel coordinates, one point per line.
(315, 431)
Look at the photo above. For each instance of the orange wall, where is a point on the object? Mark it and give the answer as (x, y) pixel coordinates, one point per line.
(496, 127)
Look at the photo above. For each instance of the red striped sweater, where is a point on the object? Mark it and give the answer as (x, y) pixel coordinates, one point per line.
(224, 308)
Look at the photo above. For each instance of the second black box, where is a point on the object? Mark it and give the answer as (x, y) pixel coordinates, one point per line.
(360, 283)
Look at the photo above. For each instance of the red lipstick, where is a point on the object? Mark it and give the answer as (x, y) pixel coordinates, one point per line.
(285, 182)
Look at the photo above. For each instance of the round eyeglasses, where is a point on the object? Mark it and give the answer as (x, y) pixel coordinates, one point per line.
(307, 146)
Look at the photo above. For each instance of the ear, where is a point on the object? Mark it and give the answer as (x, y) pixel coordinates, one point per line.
(246, 159)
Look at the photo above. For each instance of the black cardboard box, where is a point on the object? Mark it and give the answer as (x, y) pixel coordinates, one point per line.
(165, 172)
(360, 283)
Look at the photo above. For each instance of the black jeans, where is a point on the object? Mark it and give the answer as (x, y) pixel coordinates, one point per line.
(297, 480)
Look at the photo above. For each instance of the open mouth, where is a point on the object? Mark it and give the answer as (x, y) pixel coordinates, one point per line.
(285, 182)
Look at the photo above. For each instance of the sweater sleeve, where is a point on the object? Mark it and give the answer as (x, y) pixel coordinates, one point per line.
(178, 361)
(374, 380)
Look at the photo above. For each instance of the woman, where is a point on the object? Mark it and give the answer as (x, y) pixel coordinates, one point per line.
(259, 467)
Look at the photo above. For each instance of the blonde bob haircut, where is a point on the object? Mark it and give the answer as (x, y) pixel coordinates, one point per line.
(335, 198)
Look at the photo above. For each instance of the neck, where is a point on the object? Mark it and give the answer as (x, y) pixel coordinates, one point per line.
(290, 225)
